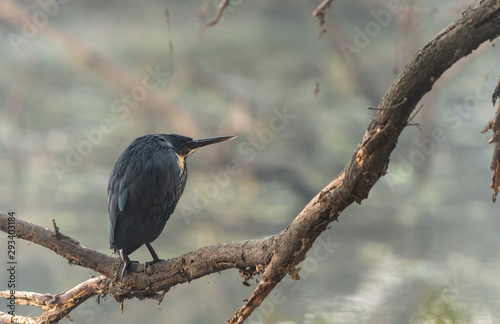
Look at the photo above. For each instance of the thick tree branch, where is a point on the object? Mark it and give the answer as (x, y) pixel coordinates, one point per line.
(479, 23)
(244, 255)
(161, 276)
(16, 319)
(279, 254)
(58, 306)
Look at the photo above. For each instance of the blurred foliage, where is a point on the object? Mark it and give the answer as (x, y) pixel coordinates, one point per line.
(431, 216)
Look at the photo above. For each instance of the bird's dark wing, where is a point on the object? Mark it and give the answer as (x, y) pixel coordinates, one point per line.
(141, 195)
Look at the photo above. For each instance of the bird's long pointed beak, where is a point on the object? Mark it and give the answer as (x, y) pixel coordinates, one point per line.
(195, 144)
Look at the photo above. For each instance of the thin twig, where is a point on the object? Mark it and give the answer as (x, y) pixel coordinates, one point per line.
(220, 12)
(56, 229)
(320, 11)
(170, 51)
(398, 105)
(411, 119)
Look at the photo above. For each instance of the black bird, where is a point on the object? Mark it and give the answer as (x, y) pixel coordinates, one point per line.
(144, 187)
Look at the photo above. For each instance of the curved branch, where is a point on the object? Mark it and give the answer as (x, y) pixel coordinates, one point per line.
(16, 319)
(479, 23)
(246, 256)
(162, 275)
(279, 254)
(56, 307)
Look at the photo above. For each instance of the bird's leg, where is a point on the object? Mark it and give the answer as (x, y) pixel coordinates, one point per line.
(126, 260)
(154, 255)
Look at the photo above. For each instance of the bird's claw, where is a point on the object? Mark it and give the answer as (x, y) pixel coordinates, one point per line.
(126, 266)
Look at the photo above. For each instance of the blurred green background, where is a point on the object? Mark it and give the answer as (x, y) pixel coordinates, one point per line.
(423, 248)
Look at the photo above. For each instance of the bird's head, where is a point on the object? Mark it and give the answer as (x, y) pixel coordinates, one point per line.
(185, 146)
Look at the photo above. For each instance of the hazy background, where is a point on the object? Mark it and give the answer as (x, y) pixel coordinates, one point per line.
(422, 248)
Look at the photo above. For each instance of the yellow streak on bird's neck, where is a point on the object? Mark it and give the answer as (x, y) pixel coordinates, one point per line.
(180, 159)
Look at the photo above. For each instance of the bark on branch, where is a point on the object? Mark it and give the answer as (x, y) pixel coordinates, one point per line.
(278, 255)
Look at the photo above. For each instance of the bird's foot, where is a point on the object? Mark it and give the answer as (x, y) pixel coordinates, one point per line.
(148, 264)
(126, 266)
(126, 263)
(155, 258)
